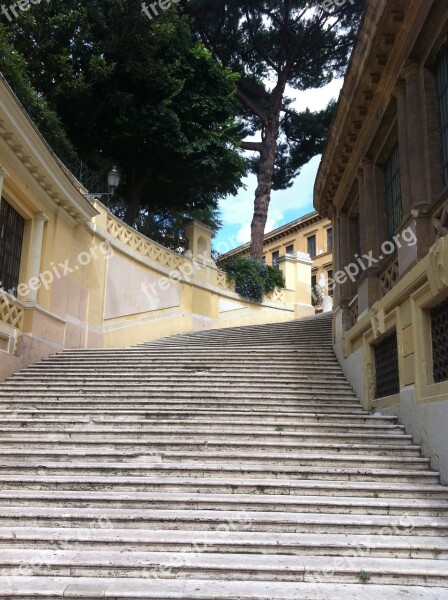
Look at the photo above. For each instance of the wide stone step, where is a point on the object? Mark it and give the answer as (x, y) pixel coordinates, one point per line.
(172, 565)
(249, 479)
(203, 490)
(223, 542)
(211, 460)
(44, 378)
(189, 395)
(163, 405)
(383, 501)
(174, 387)
(48, 588)
(234, 520)
(259, 452)
(131, 414)
(196, 433)
(267, 424)
(86, 443)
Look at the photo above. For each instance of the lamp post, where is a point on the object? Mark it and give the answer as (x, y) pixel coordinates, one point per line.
(113, 181)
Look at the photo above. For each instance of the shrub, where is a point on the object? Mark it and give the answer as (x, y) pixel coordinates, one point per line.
(252, 278)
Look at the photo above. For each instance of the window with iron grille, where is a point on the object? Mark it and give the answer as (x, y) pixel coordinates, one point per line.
(330, 240)
(12, 226)
(311, 241)
(442, 94)
(386, 367)
(394, 209)
(439, 334)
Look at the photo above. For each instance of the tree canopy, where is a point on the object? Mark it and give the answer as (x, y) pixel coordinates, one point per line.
(143, 95)
(275, 46)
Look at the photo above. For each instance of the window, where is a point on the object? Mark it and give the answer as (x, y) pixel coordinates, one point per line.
(330, 282)
(275, 257)
(439, 335)
(12, 226)
(442, 94)
(263, 259)
(290, 249)
(386, 366)
(312, 245)
(313, 281)
(330, 240)
(394, 209)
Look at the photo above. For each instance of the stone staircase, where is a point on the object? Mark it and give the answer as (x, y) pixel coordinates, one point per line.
(231, 464)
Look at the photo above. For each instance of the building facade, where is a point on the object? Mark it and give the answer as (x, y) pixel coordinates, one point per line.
(310, 235)
(383, 181)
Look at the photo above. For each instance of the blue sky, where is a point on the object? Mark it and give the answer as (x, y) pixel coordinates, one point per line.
(286, 205)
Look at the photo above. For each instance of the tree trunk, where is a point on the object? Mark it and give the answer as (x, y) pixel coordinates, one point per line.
(263, 192)
(134, 197)
(271, 132)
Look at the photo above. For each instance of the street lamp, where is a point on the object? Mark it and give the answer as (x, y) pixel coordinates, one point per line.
(113, 180)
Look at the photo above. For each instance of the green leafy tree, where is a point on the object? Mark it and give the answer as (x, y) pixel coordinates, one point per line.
(275, 45)
(252, 278)
(144, 95)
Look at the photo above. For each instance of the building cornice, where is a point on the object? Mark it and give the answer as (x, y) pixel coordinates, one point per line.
(387, 37)
(37, 162)
(280, 233)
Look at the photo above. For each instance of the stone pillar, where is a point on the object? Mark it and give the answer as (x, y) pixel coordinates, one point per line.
(199, 241)
(35, 256)
(417, 136)
(403, 145)
(417, 151)
(371, 226)
(297, 271)
(336, 262)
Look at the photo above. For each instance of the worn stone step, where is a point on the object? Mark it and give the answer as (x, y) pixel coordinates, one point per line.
(260, 451)
(377, 501)
(224, 542)
(48, 588)
(201, 410)
(171, 565)
(234, 520)
(190, 464)
(219, 478)
(86, 443)
(166, 434)
(266, 424)
(261, 397)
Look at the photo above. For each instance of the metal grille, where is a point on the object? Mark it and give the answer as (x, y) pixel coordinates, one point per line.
(442, 93)
(386, 365)
(394, 209)
(439, 331)
(12, 226)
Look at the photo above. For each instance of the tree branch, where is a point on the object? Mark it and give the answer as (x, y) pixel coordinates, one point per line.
(253, 146)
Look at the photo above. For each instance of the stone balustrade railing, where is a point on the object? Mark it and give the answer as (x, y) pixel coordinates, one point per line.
(10, 312)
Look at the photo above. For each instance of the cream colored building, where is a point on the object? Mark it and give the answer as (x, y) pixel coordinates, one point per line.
(383, 181)
(74, 276)
(311, 235)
